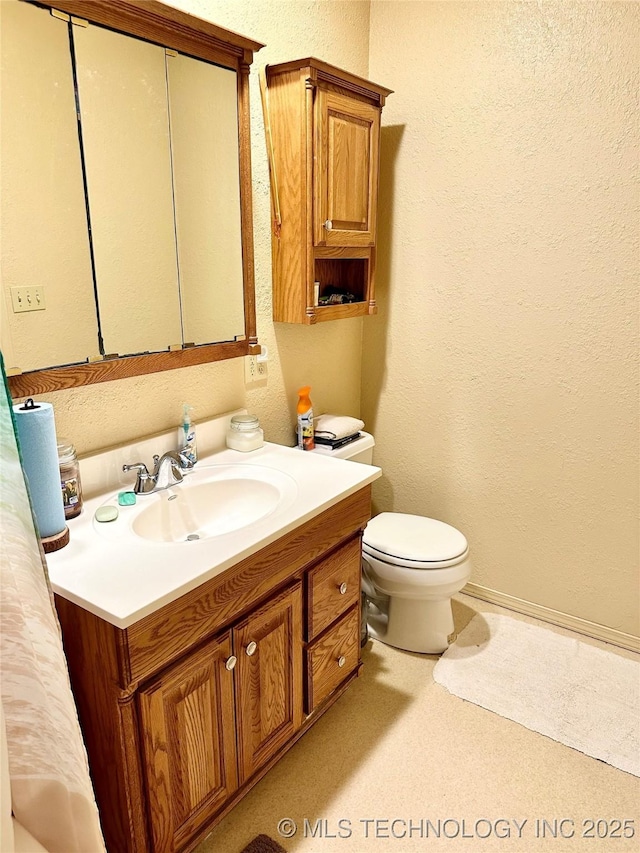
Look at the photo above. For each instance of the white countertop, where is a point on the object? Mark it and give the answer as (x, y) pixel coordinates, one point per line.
(124, 578)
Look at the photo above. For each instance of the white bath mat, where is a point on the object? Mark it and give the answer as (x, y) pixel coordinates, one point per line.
(577, 694)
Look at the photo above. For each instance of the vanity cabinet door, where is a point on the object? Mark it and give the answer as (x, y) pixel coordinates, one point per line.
(268, 644)
(347, 133)
(189, 750)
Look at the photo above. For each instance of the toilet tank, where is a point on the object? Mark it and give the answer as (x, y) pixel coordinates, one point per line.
(360, 450)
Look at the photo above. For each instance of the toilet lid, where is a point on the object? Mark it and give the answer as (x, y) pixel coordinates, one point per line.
(413, 538)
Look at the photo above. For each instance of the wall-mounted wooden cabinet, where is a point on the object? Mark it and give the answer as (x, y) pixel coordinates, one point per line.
(323, 130)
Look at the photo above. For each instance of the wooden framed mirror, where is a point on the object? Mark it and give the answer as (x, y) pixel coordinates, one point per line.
(133, 240)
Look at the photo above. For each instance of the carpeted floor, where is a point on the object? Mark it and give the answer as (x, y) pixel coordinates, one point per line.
(398, 759)
(584, 697)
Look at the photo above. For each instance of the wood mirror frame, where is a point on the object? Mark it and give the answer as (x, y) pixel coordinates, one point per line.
(155, 22)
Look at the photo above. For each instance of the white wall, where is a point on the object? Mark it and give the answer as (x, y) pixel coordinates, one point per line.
(500, 376)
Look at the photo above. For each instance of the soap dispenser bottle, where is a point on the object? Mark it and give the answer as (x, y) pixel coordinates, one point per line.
(188, 436)
(305, 420)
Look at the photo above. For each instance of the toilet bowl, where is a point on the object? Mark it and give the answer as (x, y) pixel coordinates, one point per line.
(412, 566)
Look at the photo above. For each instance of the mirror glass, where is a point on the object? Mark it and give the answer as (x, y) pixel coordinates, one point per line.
(124, 115)
(203, 103)
(129, 219)
(45, 243)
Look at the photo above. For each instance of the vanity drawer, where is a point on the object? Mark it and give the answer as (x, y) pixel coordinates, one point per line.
(333, 587)
(332, 658)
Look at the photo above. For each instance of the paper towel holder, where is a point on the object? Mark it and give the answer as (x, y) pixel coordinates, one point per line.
(57, 540)
(29, 404)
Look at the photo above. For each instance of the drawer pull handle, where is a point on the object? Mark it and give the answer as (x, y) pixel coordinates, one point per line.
(251, 648)
(342, 660)
(328, 224)
(231, 662)
(343, 588)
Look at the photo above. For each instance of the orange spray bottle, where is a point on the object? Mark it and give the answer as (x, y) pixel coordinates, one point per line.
(305, 419)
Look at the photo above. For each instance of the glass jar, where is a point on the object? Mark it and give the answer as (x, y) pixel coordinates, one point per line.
(245, 433)
(70, 479)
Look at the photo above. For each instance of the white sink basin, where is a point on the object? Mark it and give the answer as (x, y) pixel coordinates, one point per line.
(238, 503)
(211, 501)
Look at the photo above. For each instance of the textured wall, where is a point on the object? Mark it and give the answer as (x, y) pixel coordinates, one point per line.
(500, 376)
(327, 356)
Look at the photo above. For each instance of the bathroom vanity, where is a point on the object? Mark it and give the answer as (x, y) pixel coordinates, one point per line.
(194, 674)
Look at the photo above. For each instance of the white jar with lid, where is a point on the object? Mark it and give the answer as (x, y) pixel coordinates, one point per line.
(245, 433)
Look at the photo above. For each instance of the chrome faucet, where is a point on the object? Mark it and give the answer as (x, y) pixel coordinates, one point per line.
(167, 472)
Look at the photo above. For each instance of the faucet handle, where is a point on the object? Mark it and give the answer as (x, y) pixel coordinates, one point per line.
(186, 461)
(142, 477)
(137, 466)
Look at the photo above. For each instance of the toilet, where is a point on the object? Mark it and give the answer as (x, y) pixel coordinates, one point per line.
(412, 566)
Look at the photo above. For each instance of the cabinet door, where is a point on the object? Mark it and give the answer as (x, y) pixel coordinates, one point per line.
(188, 731)
(268, 679)
(347, 133)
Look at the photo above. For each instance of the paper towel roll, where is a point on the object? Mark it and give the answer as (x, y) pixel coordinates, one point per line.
(39, 450)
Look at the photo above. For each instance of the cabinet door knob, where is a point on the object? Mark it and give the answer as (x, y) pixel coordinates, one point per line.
(251, 648)
(343, 588)
(231, 662)
(328, 224)
(342, 660)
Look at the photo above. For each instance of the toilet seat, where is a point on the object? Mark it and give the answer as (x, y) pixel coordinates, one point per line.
(413, 541)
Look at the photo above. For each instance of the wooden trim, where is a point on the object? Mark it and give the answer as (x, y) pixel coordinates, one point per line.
(288, 258)
(373, 307)
(318, 201)
(555, 617)
(246, 206)
(109, 722)
(323, 71)
(356, 252)
(310, 191)
(275, 195)
(323, 313)
(76, 375)
(154, 21)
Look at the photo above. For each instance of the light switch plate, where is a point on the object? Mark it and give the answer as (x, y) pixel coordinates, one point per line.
(27, 299)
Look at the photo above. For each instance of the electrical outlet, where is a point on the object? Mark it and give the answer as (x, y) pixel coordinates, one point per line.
(27, 299)
(250, 369)
(255, 368)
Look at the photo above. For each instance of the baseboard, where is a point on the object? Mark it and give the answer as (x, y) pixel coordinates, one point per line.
(556, 617)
